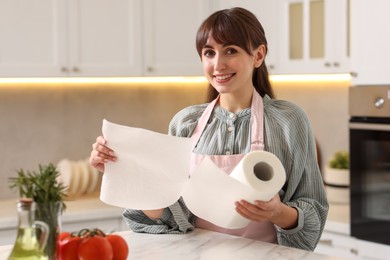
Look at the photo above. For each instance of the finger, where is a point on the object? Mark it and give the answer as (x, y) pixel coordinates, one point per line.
(100, 140)
(95, 160)
(244, 209)
(104, 151)
(250, 207)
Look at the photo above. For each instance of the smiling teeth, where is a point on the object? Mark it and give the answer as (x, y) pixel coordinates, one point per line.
(223, 77)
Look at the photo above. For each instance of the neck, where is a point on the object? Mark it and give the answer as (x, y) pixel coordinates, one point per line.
(236, 102)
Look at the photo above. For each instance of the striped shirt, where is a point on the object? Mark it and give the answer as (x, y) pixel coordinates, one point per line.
(287, 134)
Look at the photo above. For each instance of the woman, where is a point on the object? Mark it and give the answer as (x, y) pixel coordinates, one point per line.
(242, 116)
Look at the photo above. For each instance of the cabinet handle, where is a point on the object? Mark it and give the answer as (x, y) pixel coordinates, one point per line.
(354, 251)
(64, 69)
(327, 64)
(150, 69)
(75, 69)
(336, 64)
(353, 74)
(271, 66)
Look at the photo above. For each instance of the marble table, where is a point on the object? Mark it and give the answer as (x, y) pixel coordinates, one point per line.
(207, 245)
(203, 245)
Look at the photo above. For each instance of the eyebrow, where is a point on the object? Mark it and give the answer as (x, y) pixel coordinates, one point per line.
(223, 45)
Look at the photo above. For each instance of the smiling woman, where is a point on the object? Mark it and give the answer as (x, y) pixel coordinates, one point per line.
(241, 116)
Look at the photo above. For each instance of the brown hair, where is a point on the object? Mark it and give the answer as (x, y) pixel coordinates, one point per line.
(240, 27)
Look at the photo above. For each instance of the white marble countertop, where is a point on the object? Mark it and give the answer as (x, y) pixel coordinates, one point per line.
(205, 245)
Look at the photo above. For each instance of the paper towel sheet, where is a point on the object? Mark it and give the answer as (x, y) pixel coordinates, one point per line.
(152, 172)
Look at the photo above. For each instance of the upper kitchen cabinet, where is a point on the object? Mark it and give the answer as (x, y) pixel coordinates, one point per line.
(268, 14)
(70, 38)
(103, 38)
(314, 36)
(31, 37)
(169, 29)
(370, 52)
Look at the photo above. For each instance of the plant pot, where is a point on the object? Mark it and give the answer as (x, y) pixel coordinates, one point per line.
(50, 213)
(337, 185)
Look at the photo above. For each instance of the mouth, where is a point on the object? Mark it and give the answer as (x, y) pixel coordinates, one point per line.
(223, 78)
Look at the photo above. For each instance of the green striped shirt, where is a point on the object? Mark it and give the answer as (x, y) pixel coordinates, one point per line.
(287, 134)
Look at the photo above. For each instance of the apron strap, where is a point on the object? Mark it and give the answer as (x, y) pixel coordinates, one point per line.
(202, 122)
(257, 122)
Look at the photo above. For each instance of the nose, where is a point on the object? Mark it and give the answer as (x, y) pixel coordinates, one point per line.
(219, 63)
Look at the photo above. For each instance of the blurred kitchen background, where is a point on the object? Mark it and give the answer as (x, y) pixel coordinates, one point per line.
(65, 65)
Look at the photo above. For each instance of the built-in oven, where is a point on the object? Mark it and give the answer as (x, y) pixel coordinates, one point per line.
(369, 135)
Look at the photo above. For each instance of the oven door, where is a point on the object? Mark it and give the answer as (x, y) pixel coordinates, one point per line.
(370, 179)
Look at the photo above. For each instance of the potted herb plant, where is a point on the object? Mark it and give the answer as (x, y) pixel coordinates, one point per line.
(48, 194)
(337, 179)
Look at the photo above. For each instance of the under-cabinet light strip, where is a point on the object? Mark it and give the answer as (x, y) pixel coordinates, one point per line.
(276, 78)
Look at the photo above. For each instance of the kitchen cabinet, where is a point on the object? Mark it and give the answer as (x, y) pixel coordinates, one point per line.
(340, 245)
(31, 34)
(314, 36)
(370, 53)
(337, 241)
(268, 14)
(169, 31)
(100, 37)
(103, 38)
(70, 38)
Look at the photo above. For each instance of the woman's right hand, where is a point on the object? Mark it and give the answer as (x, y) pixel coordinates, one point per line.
(101, 154)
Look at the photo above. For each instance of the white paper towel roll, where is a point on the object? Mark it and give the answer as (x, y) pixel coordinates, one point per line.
(261, 171)
(211, 194)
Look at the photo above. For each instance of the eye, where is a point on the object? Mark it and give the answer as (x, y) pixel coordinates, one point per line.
(208, 53)
(231, 51)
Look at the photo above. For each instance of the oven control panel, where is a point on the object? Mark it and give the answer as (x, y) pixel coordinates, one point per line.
(369, 101)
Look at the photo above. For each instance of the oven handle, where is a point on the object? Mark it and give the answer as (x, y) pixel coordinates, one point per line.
(365, 126)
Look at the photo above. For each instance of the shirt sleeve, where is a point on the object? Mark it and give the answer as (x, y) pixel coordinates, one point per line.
(289, 136)
(175, 219)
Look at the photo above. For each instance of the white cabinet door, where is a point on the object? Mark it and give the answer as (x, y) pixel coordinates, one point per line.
(169, 30)
(31, 37)
(314, 36)
(268, 14)
(50, 38)
(370, 52)
(339, 245)
(104, 38)
(337, 36)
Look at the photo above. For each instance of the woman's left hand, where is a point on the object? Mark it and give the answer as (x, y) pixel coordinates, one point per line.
(260, 210)
(274, 210)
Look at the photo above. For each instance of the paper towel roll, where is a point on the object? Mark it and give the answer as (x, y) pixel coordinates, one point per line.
(261, 171)
(211, 194)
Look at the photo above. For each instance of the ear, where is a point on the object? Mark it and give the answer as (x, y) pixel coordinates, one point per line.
(259, 55)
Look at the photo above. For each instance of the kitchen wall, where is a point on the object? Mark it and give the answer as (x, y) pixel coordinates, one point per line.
(42, 123)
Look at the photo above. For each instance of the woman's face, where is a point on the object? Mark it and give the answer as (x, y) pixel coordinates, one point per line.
(229, 68)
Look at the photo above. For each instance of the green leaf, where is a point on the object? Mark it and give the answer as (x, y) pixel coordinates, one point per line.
(42, 186)
(340, 160)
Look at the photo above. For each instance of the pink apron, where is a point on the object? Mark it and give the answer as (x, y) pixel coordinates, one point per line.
(265, 230)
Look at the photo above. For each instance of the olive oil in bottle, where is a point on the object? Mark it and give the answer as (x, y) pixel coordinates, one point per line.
(27, 245)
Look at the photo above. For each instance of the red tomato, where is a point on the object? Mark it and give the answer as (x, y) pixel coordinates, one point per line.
(93, 248)
(119, 247)
(63, 235)
(67, 247)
